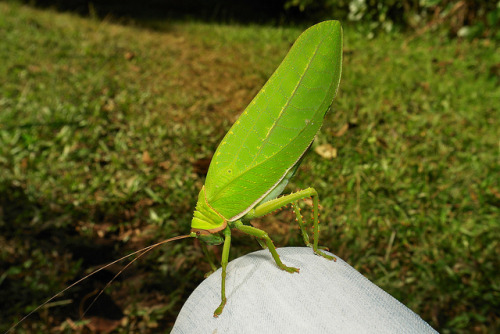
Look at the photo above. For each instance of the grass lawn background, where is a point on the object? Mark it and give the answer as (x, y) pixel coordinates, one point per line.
(106, 131)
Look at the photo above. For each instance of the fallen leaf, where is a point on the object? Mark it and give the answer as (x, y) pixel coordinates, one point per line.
(326, 151)
(310, 203)
(102, 325)
(109, 105)
(146, 158)
(129, 55)
(165, 165)
(495, 192)
(473, 196)
(24, 163)
(342, 130)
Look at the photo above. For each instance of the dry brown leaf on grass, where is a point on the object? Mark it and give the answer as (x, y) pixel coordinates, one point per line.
(102, 325)
(342, 130)
(166, 165)
(146, 158)
(309, 202)
(326, 151)
(129, 55)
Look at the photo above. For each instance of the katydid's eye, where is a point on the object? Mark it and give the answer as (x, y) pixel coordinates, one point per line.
(198, 233)
(229, 171)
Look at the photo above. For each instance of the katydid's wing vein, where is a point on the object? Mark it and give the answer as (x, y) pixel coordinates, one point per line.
(287, 104)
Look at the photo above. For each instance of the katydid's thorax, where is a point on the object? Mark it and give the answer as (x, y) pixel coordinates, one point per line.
(205, 217)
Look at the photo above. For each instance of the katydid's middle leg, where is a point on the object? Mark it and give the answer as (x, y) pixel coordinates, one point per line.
(210, 259)
(279, 202)
(263, 236)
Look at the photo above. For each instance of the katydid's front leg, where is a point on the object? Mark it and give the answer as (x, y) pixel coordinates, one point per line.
(272, 205)
(210, 259)
(225, 258)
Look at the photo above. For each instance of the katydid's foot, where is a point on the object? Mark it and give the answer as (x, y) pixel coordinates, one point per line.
(291, 270)
(326, 256)
(319, 247)
(208, 273)
(219, 309)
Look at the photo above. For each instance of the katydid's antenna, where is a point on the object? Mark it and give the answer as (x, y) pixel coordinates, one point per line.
(141, 252)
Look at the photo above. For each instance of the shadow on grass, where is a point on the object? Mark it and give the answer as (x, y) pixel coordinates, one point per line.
(43, 252)
(256, 11)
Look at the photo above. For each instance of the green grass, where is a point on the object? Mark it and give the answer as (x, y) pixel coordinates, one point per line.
(103, 132)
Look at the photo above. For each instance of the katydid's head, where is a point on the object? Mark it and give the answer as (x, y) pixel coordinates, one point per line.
(207, 237)
(206, 219)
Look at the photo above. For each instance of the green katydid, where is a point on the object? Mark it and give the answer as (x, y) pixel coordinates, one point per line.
(264, 148)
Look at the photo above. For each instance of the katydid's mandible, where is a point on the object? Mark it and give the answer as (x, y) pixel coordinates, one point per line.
(264, 147)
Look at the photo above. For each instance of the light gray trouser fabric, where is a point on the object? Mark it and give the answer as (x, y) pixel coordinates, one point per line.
(325, 297)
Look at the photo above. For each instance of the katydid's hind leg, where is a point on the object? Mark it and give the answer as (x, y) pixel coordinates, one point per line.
(262, 235)
(279, 202)
(261, 243)
(315, 199)
(225, 258)
(300, 221)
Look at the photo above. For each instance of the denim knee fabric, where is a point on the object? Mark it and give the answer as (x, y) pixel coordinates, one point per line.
(325, 297)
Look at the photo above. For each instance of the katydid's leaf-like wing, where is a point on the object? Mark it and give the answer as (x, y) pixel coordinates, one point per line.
(280, 123)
